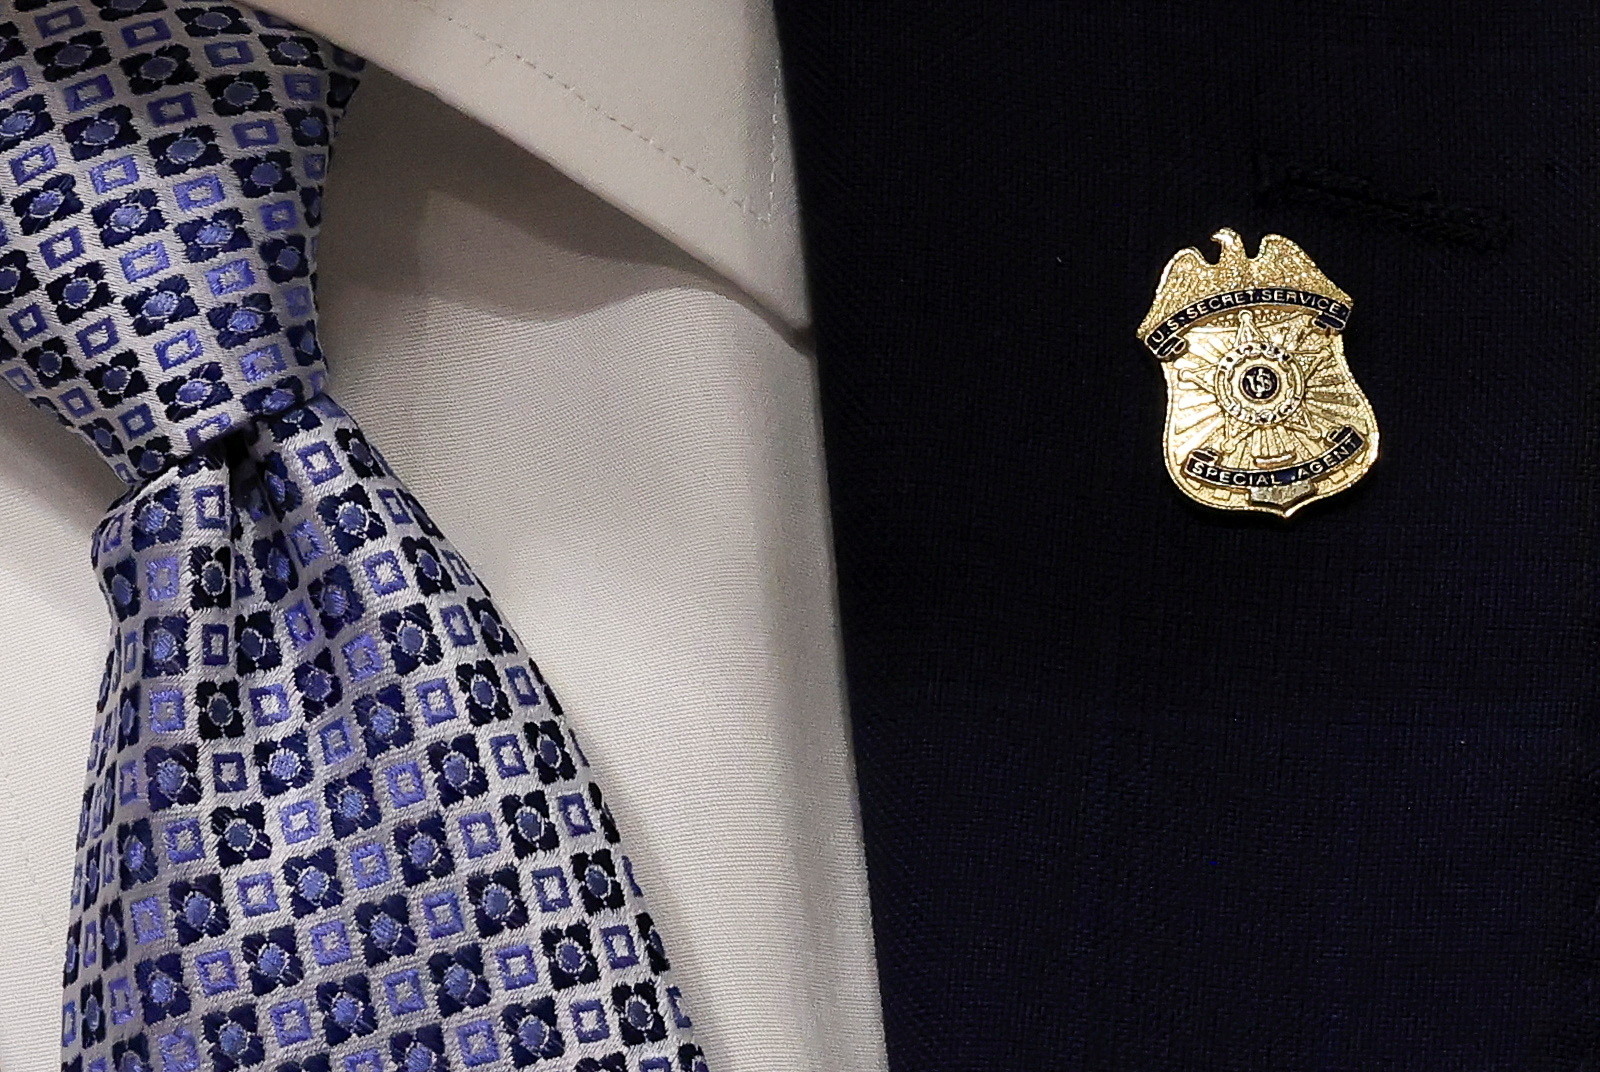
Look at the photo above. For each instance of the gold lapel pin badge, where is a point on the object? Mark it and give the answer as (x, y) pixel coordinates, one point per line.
(1262, 410)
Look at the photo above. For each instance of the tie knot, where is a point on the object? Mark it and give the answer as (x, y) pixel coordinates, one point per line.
(160, 196)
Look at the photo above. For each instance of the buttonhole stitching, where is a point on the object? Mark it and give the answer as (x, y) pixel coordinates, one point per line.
(1425, 214)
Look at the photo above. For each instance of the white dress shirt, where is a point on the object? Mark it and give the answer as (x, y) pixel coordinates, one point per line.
(573, 334)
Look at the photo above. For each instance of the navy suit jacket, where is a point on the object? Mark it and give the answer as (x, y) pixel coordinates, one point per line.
(1148, 786)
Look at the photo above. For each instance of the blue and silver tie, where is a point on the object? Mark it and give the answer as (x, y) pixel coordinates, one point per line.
(334, 820)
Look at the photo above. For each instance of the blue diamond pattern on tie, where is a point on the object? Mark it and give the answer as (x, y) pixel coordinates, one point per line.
(335, 820)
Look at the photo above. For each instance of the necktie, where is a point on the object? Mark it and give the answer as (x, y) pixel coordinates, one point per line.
(334, 818)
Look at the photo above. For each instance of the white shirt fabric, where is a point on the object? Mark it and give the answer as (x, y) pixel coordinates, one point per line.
(623, 440)
(673, 111)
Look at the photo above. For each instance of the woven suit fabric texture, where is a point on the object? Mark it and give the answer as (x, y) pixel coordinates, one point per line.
(1148, 786)
(334, 818)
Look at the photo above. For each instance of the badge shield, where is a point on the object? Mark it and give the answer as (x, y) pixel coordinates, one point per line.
(1262, 410)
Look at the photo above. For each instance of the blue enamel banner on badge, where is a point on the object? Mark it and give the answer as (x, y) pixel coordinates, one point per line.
(1165, 341)
(1202, 465)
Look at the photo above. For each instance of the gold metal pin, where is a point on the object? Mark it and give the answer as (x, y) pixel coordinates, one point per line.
(1262, 411)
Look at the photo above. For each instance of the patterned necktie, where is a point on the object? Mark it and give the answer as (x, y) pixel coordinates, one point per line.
(334, 821)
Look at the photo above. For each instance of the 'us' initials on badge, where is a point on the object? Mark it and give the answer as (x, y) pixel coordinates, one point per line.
(1262, 411)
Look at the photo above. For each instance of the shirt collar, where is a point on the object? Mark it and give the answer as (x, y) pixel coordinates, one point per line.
(673, 112)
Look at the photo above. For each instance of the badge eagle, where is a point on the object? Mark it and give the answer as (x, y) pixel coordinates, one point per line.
(1262, 412)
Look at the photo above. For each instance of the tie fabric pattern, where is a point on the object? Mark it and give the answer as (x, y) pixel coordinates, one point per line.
(334, 820)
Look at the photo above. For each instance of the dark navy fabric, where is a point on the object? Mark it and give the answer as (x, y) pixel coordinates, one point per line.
(1147, 787)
